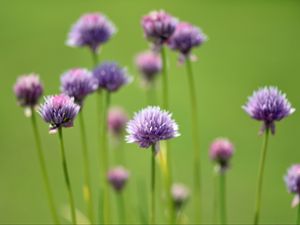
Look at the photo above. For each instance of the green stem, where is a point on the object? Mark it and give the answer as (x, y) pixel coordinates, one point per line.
(223, 214)
(87, 190)
(196, 144)
(122, 213)
(152, 198)
(165, 84)
(66, 175)
(260, 177)
(44, 169)
(105, 160)
(298, 217)
(95, 58)
(215, 196)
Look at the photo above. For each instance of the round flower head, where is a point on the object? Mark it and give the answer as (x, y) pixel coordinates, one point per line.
(78, 83)
(221, 151)
(186, 37)
(292, 180)
(149, 64)
(28, 89)
(118, 177)
(180, 195)
(158, 26)
(59, 111)
(91, 30)
(268, 104)
(111, 76)
(117, 119)
(151, 125)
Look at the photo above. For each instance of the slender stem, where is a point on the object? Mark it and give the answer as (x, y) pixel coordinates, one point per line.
(223, 214)
(105, 159)
(169, 175)
(66, 175)
(122, 212)
(215, 196)
(196, 144)
(152, 199)
(298, 217)
(260, 177)
(44, 169)
(87, 190)
(95, 58)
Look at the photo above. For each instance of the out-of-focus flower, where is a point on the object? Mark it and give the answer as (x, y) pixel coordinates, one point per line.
(117, 119)
(180, 195)
(118, 177)
(292, 181)
(268, 105)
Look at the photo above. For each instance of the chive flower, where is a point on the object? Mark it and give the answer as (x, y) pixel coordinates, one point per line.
(117, 119)
(221, 151)
(111, 76)
(151, 125)
(59, 111)
(268, 105)
(118, 177)
(78, 83)
(180, 195)
(91, 30)
(292, 181)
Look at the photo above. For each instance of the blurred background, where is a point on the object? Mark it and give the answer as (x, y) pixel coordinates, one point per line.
(251, 44)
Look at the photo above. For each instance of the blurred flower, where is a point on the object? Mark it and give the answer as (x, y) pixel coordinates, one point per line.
(268, 104)
(158, 26)
(78, 83)
(111, 76)
(118, 177)
(149, 64)
(186, 37)
(28, 90)
(92, 30)
(180, 195)
(221, 151)
(151, 125)
(59, 111)
(117, 119)
(292, 180)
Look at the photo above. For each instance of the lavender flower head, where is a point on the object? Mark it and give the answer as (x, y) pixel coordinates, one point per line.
(28, 90)
(92, 30)
(268, 104)
(149, 64)
(78, 83)
(59, 111)
(151, 125)
(292, 180)
(111, 76)
(158, 26)
(118, 177)
(180, 195)
(117, 119)
(221, 151)
(185, 38)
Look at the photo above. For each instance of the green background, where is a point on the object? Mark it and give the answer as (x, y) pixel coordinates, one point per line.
(251, 44)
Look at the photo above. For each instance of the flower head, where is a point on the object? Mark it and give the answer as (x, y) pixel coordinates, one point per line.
(117, 119)
(149, 64)
(158, 26)
(180, 195)
(268, 104)
(186, 37)
(59, 111)
(151, 125)
(221, 151)
(28, 90)
(78, 83)
(92, 30)
(111, 76)
(292, 180)
(118, 177)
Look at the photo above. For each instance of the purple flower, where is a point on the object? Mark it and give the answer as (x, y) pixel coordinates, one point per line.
(78, 83)
(186, 37)
(151, 125)
(221, 151)
(158, 26)
(268, 104)
(110, 76)
(292, 180)
(59, 111)
(180, 195)
(92, 30)
(28, 90)
(149, 64)
(117, 119)
(118, 177)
